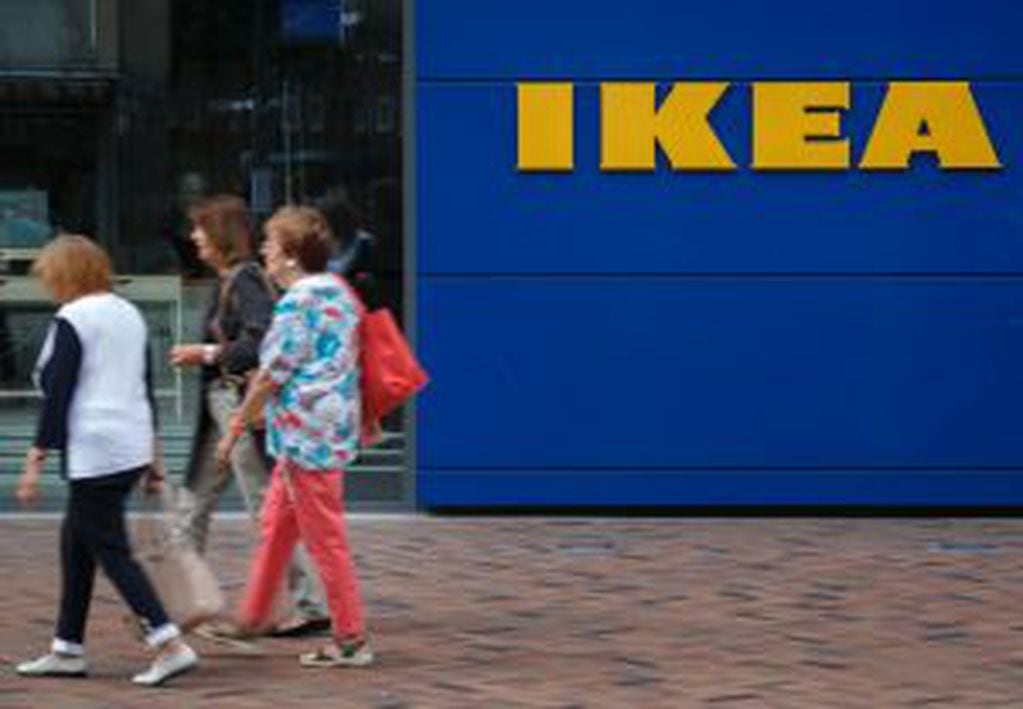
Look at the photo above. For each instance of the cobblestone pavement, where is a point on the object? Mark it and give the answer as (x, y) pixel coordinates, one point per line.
(515, 612)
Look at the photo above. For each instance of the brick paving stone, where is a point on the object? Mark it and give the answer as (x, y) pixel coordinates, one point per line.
(537, 612)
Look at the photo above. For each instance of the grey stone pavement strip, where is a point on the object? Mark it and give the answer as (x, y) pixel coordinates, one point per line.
(548, 612)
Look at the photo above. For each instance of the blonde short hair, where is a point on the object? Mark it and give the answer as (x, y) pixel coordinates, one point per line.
(71, 266)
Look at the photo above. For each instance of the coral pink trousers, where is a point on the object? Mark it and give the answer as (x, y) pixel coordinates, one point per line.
(304, 505)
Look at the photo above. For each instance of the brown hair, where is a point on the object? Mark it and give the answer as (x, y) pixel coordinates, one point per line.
(303, 234)
(225, 219)
(71, 266)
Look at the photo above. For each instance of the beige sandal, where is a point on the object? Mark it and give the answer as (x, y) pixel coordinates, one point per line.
(351, 654)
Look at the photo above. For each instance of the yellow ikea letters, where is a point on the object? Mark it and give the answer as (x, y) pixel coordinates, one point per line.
(632, 126)
(799, 126)
(796, 126)
(546, 134)
(937, 117)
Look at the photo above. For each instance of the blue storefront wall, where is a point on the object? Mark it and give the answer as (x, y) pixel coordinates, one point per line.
(741, 338)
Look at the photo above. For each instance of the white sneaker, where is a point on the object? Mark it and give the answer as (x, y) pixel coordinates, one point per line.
(54, 665)
(167, 664)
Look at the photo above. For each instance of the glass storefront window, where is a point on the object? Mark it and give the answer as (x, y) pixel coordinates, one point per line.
(43, 34)
(276, 101)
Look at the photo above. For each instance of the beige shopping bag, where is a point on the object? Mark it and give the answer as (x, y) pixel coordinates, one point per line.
(183, 580)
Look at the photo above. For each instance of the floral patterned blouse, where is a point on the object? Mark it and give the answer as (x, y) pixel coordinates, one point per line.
(312, 354)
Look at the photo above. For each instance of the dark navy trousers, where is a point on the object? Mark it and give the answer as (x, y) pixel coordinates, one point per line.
(94, 532)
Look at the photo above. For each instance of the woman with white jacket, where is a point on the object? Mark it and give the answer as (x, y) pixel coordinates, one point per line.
(98, 412)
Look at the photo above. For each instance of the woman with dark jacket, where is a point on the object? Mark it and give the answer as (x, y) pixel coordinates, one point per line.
(237, 318)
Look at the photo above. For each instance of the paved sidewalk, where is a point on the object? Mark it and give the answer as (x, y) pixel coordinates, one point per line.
(619, 613)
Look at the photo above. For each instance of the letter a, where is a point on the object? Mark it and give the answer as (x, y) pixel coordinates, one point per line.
(939, 117)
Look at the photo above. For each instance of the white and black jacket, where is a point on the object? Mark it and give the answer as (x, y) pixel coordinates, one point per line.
(97, 393)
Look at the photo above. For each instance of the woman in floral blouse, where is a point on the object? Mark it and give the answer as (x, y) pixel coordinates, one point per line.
(309, 382)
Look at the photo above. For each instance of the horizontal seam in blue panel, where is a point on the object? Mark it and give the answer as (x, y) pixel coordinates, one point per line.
(723, 275)
(733, 79)
(471, 470)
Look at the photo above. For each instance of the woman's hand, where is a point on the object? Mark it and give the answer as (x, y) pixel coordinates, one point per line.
(235, 429)
(153, 482)
(192, 355)
(224, 447)
(27, 492)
